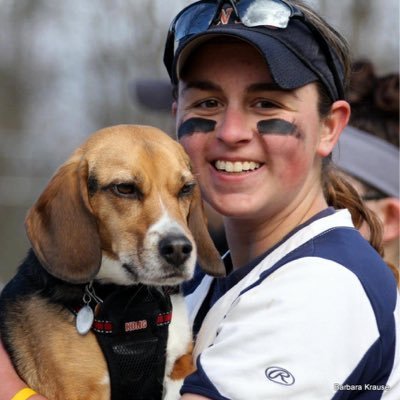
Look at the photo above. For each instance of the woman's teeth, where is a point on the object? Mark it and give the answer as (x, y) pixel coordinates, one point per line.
(236, 166)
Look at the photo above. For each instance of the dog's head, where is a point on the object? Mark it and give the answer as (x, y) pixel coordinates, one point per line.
(124, 209)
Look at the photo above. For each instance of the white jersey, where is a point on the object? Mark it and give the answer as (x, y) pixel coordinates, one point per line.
(316, 317)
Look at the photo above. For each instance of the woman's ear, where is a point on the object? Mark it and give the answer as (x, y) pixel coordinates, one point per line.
(332, 127)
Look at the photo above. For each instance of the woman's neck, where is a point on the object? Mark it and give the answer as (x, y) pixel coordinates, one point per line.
(249, 238)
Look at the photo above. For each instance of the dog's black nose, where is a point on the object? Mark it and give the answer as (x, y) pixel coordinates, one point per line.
(175, 249)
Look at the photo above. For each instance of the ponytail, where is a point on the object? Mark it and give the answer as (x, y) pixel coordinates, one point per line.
(340, 194)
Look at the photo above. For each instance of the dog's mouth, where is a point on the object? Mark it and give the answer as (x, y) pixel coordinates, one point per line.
(176, 278)
(130, 269)
(162, 277)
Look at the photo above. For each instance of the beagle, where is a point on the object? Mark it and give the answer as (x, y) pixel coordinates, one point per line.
(86, 316)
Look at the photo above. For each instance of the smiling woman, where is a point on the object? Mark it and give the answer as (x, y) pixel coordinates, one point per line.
(259, 110)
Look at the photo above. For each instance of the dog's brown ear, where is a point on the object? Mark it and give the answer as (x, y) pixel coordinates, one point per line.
(62, 228)
(208, 256)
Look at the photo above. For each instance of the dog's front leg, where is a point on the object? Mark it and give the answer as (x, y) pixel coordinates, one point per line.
(179, 362)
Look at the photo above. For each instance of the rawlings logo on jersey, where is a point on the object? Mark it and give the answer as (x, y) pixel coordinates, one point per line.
(279, 375)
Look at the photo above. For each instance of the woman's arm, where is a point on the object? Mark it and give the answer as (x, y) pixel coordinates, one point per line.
(11, 383)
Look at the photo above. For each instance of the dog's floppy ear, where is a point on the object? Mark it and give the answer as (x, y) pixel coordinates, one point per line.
(62, 228)
(208, 256)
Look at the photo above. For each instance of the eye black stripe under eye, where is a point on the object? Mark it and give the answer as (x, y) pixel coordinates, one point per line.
(193, 125)
(276, 126)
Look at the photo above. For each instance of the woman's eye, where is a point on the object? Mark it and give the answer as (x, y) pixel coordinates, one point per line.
(265, 104)
(187, 189)
(126, 190)
(208, 104)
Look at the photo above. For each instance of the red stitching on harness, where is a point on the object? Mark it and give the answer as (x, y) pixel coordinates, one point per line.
(102, 326)
(164, 319)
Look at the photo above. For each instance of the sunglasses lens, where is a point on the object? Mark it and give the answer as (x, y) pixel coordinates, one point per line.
(198, 17)
(272, 13)
(194, 20)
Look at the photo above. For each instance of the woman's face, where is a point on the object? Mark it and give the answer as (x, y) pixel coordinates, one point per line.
(259, 153)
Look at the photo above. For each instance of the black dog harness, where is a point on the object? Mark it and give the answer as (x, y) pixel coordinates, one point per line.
(131, 326)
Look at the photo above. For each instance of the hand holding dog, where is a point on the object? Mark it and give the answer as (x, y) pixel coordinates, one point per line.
(11, 382)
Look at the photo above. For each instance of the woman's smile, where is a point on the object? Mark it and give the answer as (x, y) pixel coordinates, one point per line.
(236, 166)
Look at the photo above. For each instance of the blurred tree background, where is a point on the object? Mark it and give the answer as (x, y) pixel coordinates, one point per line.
(67, 68)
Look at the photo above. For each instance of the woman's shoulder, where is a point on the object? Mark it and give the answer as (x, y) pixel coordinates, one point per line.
(332, 240)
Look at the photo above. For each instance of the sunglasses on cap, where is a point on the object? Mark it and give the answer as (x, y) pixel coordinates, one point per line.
(274, 14)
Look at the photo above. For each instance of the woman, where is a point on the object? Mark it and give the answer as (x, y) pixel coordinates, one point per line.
(307, 310)
(259, 110)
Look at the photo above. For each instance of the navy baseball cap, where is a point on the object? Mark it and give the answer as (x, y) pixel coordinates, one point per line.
(296, 54)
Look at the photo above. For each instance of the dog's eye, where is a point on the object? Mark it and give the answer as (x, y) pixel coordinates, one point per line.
(126, 190)
(187, 189)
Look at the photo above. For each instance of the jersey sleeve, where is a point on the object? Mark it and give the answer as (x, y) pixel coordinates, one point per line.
(297, 334)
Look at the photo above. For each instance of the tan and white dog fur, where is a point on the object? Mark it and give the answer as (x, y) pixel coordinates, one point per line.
(105, 216)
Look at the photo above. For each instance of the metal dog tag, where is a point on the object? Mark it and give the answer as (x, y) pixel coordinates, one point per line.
(84, 320)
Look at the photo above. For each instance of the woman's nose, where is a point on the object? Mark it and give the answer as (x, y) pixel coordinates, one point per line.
(234, 127)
